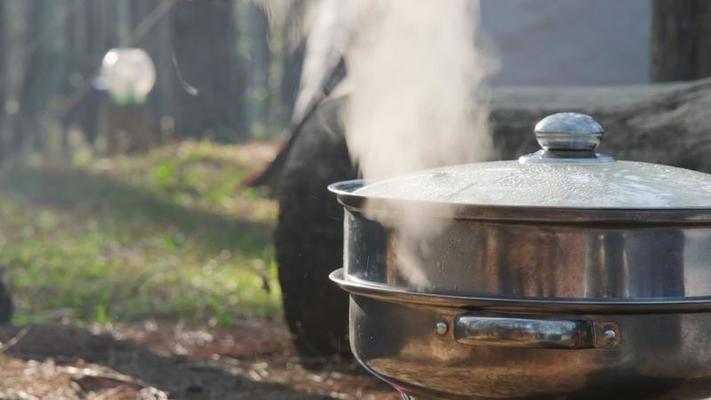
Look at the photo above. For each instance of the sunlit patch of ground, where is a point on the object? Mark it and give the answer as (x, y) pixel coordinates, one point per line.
(168, 234)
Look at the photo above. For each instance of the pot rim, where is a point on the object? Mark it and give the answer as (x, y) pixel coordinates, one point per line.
(347, 196)
(383, 292)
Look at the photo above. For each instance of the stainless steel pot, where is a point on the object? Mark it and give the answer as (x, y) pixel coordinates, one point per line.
(564, 274)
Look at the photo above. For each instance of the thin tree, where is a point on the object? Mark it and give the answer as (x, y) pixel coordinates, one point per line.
(254, 46)
(151, 30)
(681, 40)
(210, 103)
(2, 51)
(14, 73)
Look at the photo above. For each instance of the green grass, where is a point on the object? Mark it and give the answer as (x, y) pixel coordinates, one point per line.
(166, 235)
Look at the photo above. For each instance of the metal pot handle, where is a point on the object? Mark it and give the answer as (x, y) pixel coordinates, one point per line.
(536, 333)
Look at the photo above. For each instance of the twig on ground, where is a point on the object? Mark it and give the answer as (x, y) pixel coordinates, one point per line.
(14, 340)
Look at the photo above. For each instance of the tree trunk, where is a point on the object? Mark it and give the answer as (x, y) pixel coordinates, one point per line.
(45, 75)
(158, 42)
(15, 58)
(681, 40)
(309, 235)
(6, 306)
(257, 66)
(210, 103)
(90, 34)
(3, 28)
(76, 45)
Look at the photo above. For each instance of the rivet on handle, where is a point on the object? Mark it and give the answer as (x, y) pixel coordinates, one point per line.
(441, 328)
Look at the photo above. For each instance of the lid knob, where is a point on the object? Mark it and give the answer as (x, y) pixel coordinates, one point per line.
(568, 138)
(568, 131)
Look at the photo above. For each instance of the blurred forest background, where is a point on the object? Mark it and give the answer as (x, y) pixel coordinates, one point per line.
(147, 271)
(52, 51)
(163, 230)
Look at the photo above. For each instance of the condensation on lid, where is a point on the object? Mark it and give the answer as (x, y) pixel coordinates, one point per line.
(615, 185)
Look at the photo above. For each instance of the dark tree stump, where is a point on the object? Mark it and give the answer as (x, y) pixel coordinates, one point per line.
(309, 235)
(129, 129)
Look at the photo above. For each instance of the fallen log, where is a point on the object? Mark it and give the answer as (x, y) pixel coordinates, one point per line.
(661, 123)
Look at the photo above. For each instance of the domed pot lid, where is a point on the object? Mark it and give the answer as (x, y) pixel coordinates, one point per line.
(564, 181)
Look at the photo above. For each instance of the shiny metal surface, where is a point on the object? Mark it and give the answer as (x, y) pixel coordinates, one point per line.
(563, 185)
(661, 356)
(565, 157)
(496, 304)
(534, 302)
(441, 328)
(521, 332)
(351, 200)
(568, 138)
(578, 262)
(568, 131)
(646, 288)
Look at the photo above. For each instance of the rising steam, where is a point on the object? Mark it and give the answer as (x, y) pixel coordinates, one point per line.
(418, 96)
(418, 100)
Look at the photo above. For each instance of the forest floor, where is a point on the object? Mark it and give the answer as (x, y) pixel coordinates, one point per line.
(250, 360)
(151, 276)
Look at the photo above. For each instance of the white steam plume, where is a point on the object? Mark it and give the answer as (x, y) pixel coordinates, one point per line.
(418, 99)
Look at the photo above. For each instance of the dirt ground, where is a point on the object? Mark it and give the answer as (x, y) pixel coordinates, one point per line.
(252, 360)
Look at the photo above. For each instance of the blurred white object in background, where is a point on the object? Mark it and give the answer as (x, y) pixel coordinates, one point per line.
(128, 74)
